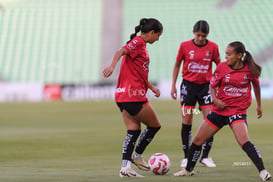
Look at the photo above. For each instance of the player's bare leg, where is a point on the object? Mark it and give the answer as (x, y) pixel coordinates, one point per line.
(205, 159)
(204, 132)
(148, 117)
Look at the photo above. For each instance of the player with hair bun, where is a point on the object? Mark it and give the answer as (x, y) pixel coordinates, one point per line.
(131, 92)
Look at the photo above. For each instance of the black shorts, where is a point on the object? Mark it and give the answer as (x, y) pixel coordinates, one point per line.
(191, 92)
(133, 108)
(218, 121)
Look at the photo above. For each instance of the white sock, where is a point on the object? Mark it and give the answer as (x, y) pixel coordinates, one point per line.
(126, 164)
(136, 155)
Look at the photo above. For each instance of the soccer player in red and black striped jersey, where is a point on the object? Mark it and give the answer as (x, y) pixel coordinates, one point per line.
(197, 56)
(231, 93)
(131, 92)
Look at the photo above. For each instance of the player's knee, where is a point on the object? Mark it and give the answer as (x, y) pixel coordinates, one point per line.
(198, 140)
(242, 141)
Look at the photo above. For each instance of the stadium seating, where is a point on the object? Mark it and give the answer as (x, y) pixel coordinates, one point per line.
(60, 41)
(50, 41)
(250, 23)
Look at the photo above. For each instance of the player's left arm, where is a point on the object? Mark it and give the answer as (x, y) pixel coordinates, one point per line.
(257, 93)
(155, 90)
(217, 58)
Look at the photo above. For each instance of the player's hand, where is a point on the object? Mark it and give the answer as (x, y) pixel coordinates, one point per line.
(156, 91)
(108, 71)
(259, 112)
(174, 93)
(220, 104)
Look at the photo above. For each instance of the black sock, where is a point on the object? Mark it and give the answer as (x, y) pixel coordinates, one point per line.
(145, 138)
(186, 138)
(193, 155)
(129, 144)
(254, 154)
(206, 147)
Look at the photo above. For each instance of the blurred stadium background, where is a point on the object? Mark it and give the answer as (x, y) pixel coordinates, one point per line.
(56, 49)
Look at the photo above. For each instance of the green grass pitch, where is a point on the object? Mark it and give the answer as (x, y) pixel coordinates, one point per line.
(81, 141)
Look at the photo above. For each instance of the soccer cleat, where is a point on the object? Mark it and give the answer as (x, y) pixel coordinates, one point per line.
(208, 162)
(265, 175)
(184, 172)
(184, 163)
(140, 163)
(128, 172)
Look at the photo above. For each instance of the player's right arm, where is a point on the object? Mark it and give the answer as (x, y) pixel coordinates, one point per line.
(219, 103)
(109, 69)
(175, 74)
(179, 60)
(155, 90)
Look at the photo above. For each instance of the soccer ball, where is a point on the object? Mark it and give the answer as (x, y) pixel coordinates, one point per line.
(159, 163)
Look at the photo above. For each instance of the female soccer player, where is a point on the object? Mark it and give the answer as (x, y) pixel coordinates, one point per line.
(231, 93)
(197, 56)
(131, 92)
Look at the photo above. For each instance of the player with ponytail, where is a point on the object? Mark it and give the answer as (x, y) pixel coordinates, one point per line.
(230, 89)
(131, 97)
(145, 27)
(247, 57)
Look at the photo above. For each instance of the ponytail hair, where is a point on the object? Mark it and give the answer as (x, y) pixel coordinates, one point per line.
(253, 66)
(247, 57)
(146, 25)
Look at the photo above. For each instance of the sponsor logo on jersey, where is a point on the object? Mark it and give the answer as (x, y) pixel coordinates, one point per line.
(206, 59)
(132, 45)
(246, 77)
(234, 91)
(213, 78)
(120, 90)
(246, 80)
(198, 68)
(208, 53)
(146, 65)
(227, 78)
(191, 53)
